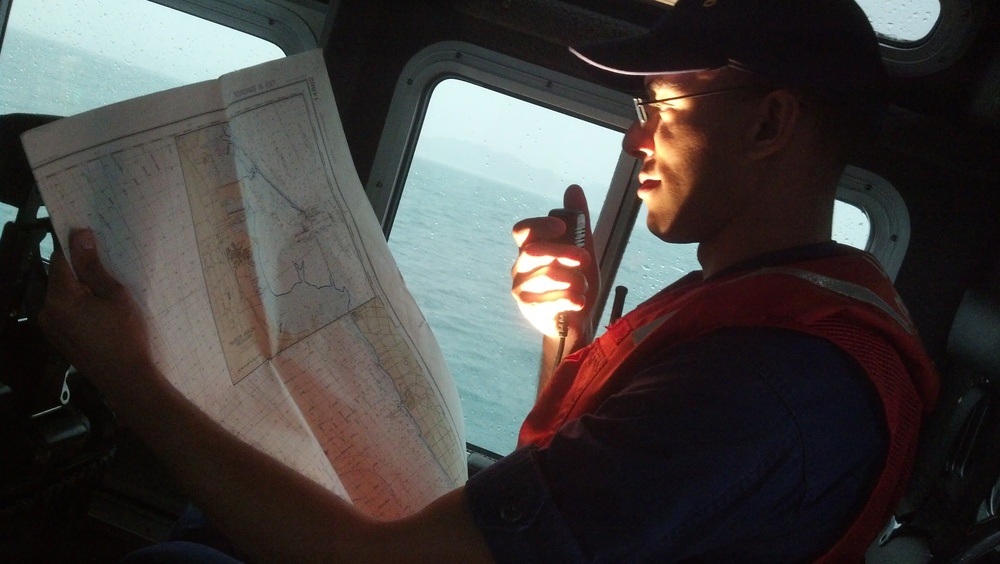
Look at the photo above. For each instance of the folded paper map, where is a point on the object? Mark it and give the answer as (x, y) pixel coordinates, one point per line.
(232, 211)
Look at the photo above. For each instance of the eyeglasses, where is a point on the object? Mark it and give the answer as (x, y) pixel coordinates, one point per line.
(640, 104)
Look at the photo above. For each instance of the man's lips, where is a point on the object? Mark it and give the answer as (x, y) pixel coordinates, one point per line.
(647, 185)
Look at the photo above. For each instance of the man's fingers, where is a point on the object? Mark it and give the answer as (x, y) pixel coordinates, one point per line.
(61, 276)
(90, 271)
(536, 255)
(549, 279)
(536, 286)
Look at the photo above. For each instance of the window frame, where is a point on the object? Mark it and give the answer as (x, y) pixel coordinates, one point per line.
(956, 27)
(260, 18)
(887, 214)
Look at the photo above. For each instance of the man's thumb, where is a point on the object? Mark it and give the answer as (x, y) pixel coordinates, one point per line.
(574, 198)
(86, 263)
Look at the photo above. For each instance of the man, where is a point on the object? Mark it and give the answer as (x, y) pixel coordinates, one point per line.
(763, 409)
(748, 385)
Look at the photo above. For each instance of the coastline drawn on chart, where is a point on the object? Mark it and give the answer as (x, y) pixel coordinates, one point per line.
(269, 245)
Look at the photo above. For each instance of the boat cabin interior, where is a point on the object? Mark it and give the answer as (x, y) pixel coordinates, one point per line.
(462, 117)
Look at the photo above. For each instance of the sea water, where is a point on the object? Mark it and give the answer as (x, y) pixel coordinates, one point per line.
(452, 242)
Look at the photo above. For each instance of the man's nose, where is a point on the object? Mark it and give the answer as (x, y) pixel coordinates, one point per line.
(637, 142)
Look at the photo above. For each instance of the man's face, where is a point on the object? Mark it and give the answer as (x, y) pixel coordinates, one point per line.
(693, 170)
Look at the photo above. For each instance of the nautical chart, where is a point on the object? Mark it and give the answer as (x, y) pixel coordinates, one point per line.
(232, 212)
(278, 255)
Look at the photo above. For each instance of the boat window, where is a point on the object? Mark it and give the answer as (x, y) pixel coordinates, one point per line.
(62, 57)
(902, 22)
(483, 161)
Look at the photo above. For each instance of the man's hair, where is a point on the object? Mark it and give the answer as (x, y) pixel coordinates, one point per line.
(848, 129)
(843, 129)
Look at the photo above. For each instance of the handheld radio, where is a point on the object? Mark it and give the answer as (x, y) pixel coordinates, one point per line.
(576, 226)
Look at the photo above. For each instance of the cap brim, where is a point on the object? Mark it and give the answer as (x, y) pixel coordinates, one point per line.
(644, 55)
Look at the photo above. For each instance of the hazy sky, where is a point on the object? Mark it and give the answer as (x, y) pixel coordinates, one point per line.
(144, 34)
(570, 149)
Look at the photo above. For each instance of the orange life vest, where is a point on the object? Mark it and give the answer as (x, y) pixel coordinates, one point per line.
(847, 300)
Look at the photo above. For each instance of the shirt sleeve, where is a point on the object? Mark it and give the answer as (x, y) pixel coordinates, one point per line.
(746, 445)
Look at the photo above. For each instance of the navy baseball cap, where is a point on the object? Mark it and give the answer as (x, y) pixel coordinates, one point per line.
(827, 47)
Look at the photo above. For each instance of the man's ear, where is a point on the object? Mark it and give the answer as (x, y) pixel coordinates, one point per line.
(775, 118)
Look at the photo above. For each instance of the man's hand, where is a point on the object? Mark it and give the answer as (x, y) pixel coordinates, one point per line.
(553, 278)
(91, 318)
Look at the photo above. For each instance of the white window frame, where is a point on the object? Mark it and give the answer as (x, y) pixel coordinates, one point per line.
(956, 27)
(886, 211)
(260, 18)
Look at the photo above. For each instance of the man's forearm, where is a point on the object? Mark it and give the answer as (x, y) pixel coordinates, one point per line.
(273, 512)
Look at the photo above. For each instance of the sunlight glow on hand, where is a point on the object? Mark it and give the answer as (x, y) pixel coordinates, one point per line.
(543, 284)
(542, 316)
(527, 263)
